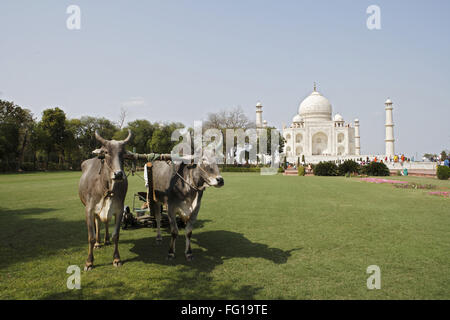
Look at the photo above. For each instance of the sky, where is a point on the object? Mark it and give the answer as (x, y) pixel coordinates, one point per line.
(179, 60)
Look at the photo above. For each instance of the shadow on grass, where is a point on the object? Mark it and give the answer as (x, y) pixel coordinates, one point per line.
(215, 248)
(24, 238)
(181, 285)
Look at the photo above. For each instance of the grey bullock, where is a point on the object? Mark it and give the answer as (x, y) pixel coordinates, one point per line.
(102, 189)
(181, 186)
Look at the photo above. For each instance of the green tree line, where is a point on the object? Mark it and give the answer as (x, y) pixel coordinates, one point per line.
(59, 143)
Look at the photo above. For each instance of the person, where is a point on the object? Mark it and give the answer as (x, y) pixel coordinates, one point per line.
(447, 162)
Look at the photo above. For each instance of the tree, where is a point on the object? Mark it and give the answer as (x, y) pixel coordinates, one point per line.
(72, 143)
(228, 119)
(348, 167)
(142, 131)
(15, 125)
(234, 118)
(429, 156)
(161, 138)
(122, 116)
(443, 155)
(54, 124)
(86, 139)
(39, 139)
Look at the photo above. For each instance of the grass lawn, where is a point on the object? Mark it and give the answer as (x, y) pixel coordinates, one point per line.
(258, 237)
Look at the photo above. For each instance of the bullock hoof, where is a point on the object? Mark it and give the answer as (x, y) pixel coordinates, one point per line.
(189, 257)
(89, 266)
(97, 245)
(117, 263)
(107, 243)
(171, 256)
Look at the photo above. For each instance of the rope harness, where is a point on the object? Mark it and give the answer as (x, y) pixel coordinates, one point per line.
(150, 158)
(109, 191)
(193, 186)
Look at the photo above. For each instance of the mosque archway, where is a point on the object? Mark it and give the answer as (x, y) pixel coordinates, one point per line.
(319, 143)
(298, 138)
(340, 137)
(299, 151)
(340, 151)
(288, 150)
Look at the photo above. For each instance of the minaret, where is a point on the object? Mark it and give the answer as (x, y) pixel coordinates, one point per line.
(389, 129)
(357, 140)
(259, 121)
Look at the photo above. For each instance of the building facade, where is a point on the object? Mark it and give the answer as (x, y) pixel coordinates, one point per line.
(316, 135)
(314, 132)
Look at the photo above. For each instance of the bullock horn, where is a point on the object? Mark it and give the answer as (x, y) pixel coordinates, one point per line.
(99, 138)
(127, 139)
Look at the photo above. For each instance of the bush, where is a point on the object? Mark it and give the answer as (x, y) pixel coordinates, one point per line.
(326, 169)
(442, 172)
(348, 166)
(375, 169)
(239, 169)
(28, 166)
(301, 170)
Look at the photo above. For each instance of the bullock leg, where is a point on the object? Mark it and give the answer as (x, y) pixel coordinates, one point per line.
(115, 237)
(107, 240)
(188, 251)
(188, 231)
(173, 230)
(97, 233)
(90, 222)
(156, 209)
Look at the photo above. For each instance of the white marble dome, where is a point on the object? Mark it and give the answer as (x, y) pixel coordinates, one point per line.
(297, 118)
(338, 117)
(315, 108)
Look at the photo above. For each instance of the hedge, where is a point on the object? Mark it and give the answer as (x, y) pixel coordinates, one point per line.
(326, 169)
(375, 169)
(348, 166)
(301, 170)
(442, 172)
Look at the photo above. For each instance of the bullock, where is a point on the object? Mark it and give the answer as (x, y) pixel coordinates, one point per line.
(181, 186)
(102, 190)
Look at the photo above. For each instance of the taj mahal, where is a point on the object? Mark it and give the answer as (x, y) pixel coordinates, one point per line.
(315, 134)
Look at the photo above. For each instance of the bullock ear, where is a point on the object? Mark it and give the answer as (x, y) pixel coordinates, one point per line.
(100, 153)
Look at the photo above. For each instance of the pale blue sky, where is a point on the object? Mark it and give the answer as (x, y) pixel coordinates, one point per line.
(179, 60)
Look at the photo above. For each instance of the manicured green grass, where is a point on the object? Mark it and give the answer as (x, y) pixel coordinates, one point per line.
(258, 237)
